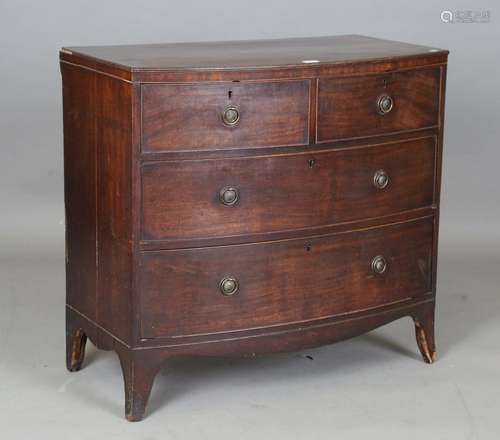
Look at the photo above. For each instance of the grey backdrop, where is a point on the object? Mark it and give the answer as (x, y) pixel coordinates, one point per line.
(353, 388)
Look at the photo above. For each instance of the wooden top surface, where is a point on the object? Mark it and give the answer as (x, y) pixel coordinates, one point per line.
(251, 54)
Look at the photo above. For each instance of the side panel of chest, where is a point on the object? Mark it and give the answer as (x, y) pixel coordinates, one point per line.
(98, 202)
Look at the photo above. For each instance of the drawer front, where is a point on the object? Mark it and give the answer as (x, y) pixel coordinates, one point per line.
(189, 199)
(180, 117)
(354, 107)
(282, 282)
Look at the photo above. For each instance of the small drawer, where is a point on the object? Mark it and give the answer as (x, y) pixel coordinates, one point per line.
(193, 199)
(353, 107)
(234, 288)
(229, 115)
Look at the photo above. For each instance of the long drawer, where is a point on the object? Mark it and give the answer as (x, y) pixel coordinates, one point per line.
(230, 197)
(240, 287)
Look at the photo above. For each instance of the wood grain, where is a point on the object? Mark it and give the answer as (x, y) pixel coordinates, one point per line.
(188, 117)
(80, 198)
(97, 119)
(148, 240)
(220, 55)
(279, 193)
(347, 107)
(282, 282)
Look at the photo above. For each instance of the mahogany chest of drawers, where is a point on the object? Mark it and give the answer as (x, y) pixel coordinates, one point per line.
(248, 197)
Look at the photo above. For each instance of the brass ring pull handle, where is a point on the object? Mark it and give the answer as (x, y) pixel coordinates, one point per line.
(379, 265)
(380, 179)
(384, 104)
(228, 286)
(229, 196)
(231, 116)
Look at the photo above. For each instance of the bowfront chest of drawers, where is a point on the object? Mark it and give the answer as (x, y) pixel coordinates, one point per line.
(248, 197)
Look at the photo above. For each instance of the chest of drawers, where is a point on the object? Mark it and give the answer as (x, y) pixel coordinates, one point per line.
(248, 197)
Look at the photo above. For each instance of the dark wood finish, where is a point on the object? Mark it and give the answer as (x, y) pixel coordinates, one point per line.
(424, 331)
(439, 160)
(289, 52)
(265, 59)
(139, 371)
(282, 282)
(367, 222)
(312, 148)
(300, 338)
(188, 116)
(321, 70)
(97, 158)
(347, 107)
(76, 340)
(80, 189)
(316, 189)
(148, 239)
